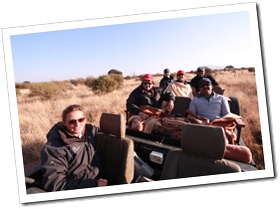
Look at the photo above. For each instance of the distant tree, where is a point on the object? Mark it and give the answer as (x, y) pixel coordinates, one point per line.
(24, 85)
(251, 69)
(114, 71)
(229, 67)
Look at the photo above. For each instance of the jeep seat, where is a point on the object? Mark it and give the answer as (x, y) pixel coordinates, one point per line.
(116, 151)
(201, 154)
(181, 104)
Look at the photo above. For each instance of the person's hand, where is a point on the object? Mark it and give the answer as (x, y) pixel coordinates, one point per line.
(195, 93)
(194, 118)
(232, 115)
(102, 182)
(170, 106)
(204, 120)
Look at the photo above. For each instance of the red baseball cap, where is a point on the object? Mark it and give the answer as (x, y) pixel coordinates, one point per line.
(180, 72)
(148, 77)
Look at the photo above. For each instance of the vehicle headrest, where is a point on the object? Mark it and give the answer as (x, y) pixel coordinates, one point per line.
(204, 140)
(113, 124)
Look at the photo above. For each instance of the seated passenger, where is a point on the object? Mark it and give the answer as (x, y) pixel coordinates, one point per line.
(166, 79)
(69, 159)
(147, 94)
(200, 73)
(180, 87)
(213, 109)
(207, 103)
(147, 100)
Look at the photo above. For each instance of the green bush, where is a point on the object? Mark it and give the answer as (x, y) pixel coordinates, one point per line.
(118, 80)
(24, 85)
(47, 90)
(77, 81)
(74, 82)
(89, 81)
(107, 83)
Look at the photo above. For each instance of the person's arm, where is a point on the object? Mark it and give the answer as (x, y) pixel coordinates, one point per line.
(190, 91)
(169, 89)
(167, 95)
(194, 118)
(55, 173)
(193, 115)
(162, 84)
(131, 103)
(55, 158)
(213, 80)
(225, 107)
(195, 91)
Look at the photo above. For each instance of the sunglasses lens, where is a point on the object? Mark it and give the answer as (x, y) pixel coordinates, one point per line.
(80, 120)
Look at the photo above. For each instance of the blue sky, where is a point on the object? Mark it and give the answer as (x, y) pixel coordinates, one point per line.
(134, 48)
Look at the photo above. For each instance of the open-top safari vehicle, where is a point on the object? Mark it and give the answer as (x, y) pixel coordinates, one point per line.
(199, 151)
(132, 156)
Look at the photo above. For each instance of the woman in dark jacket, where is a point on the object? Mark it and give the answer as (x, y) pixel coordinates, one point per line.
(69, 159)
(148, 94)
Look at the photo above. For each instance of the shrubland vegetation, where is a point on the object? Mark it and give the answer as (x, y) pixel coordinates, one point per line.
(40, 104)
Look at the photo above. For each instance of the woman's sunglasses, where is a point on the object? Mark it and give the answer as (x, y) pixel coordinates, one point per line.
(80, 120)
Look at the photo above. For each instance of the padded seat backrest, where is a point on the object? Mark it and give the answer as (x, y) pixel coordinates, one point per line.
(203, 140)
(202, 154)
(181, 104)
(116, 151)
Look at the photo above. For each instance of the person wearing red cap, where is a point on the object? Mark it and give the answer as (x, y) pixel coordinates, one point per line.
(146, 94)
(180, 87)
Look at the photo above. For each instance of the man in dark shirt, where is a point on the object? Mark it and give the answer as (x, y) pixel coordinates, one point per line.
(200, 73)
(167, 79)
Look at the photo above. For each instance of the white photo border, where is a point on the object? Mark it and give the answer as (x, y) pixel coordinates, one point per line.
(266, 173)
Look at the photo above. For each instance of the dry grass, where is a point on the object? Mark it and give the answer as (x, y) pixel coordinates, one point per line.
(37, 117)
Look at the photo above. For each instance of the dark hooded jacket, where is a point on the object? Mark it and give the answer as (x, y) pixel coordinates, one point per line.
(165, 81)
(139, 97)
(195, 81)
(67, 165)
